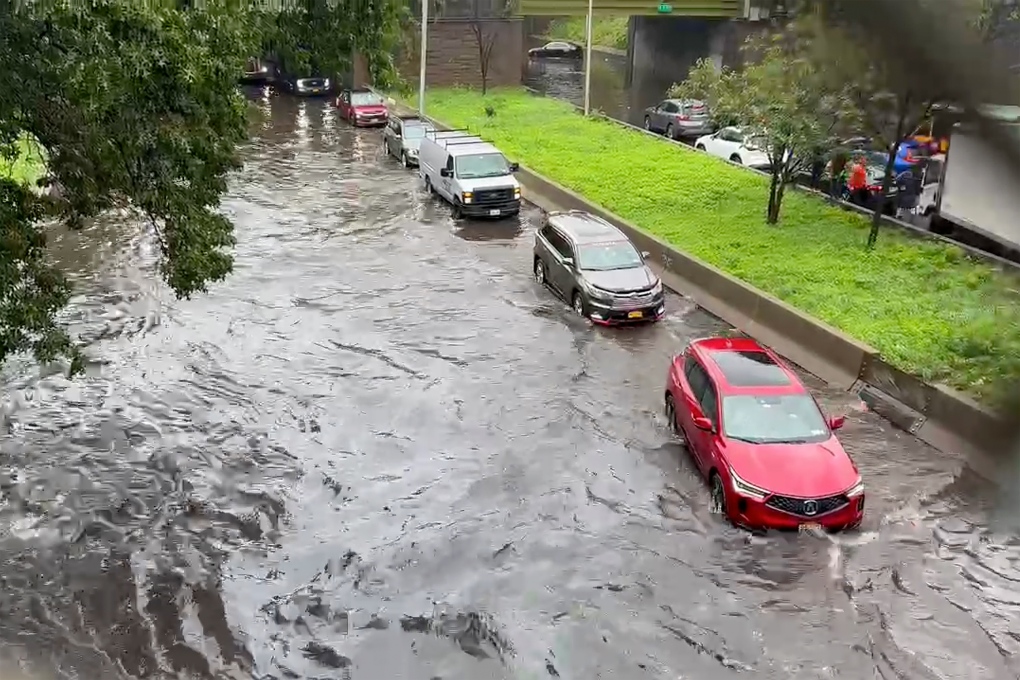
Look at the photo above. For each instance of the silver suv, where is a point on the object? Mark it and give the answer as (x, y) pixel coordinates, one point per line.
(402, 137)
(597, 269)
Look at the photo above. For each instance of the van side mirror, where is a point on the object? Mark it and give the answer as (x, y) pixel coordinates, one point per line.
(703, 423)
(514, 167)
(645, 254)
(444, 172)
(836, 422)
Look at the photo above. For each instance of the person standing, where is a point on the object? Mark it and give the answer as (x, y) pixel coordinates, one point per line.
(858, 183)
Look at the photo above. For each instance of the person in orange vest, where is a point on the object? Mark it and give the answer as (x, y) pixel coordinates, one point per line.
(858, 184)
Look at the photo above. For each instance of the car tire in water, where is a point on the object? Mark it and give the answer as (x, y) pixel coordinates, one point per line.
(674, 426)
(403, 159)
(736, 159)
(458, 211)
(428, 185)
(539, 272)
(670, 131)
(718, 496)
(579, 305)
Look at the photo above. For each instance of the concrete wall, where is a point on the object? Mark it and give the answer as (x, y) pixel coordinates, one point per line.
(453, 54)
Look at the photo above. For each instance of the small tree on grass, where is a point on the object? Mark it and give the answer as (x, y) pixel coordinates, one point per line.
(485, 32)
(893, 98)
(779, 99)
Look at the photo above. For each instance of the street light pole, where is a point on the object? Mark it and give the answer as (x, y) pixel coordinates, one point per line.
(423, 55)
(587, 60)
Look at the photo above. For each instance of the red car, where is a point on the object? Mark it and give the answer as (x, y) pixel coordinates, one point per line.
(759, 437)
(362, 108)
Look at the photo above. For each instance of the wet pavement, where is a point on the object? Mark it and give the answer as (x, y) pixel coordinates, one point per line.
(379, 450)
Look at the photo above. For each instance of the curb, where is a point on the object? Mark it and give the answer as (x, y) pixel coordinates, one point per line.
(940, 416)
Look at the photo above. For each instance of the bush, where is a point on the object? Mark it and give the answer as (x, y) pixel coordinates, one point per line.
(926, 306)
(605, 31)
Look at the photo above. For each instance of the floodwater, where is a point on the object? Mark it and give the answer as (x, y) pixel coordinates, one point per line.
(379, 450)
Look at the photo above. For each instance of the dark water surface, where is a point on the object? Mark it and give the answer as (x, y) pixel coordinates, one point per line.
(380, 451)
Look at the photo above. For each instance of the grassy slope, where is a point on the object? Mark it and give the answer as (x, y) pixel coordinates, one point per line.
(605, 31)
(27, 167)
(925, 306)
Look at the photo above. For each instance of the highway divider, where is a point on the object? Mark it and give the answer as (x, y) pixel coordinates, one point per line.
(942, 417)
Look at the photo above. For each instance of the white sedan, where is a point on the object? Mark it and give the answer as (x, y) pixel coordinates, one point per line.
(731, 144)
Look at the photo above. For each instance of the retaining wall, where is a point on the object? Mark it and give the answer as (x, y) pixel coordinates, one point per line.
(936, 414)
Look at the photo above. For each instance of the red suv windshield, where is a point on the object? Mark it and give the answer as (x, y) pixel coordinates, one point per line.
(773, 419)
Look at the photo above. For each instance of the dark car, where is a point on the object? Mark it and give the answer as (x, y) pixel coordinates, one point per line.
(402, 137)
(306, 86)
(258, 72)
(556, 50)
(597, 269)
(678, 118)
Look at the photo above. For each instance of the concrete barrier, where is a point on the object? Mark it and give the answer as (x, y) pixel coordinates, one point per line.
(943, 418)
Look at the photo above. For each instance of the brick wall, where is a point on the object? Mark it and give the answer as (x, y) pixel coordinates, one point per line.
(453, 54)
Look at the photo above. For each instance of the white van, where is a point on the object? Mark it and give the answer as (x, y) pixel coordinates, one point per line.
(470, 173)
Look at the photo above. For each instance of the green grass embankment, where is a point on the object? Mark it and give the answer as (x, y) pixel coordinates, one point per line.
(28, 166)
(605, 31)
(926, 306)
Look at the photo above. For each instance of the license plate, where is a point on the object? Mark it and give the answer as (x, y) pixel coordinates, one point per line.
(316, 90)
(494, 212)
(635, 315)
(811, 527)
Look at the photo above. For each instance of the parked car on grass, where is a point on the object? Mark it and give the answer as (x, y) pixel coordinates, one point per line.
(755, 432)
(469, 172)
(596, 269)
(559, 49)
(678, 118)
(362, 108)
(309, 86)
(731, 143)
(402, 137)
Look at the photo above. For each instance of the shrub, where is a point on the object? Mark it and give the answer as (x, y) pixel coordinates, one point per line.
(27, 166)
(926, 306)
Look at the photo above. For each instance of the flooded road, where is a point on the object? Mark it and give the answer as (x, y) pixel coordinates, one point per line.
(379, 450)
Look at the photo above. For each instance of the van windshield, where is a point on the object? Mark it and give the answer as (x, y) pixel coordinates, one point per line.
(482, 165)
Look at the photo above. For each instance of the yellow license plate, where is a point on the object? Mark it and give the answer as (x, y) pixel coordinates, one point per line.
(635, 315)
(316, 90)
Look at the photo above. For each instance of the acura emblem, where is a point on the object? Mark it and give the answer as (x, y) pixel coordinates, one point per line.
(810, 507)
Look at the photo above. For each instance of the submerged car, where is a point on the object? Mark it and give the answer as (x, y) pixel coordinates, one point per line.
(754, 431)
(402, 138)
(362, 108)
(311, 86)
(559, 49)
(596, 269)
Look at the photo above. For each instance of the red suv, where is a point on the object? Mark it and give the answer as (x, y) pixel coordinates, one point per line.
(759, 437)
(362, 108)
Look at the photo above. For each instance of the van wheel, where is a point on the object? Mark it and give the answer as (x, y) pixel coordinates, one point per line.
(539, 272)
(458, 211)
(428, 185)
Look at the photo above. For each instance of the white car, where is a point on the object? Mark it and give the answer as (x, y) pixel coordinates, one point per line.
(731, 144)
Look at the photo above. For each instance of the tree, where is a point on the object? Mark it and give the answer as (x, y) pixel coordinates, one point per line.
(485, 33)
(135, 105)
(893, 99)
(778, 98)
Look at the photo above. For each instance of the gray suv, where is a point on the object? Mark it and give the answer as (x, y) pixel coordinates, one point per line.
(679, 118)
(402, 137)
(597, 269)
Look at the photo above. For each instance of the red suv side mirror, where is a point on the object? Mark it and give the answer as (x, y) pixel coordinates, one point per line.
(703, 423)
(836, 422)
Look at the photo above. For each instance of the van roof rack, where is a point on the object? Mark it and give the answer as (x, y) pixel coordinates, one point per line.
(465, 140)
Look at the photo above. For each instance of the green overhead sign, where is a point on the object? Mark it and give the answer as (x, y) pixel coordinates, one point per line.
(665, 9)
(717, 9)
